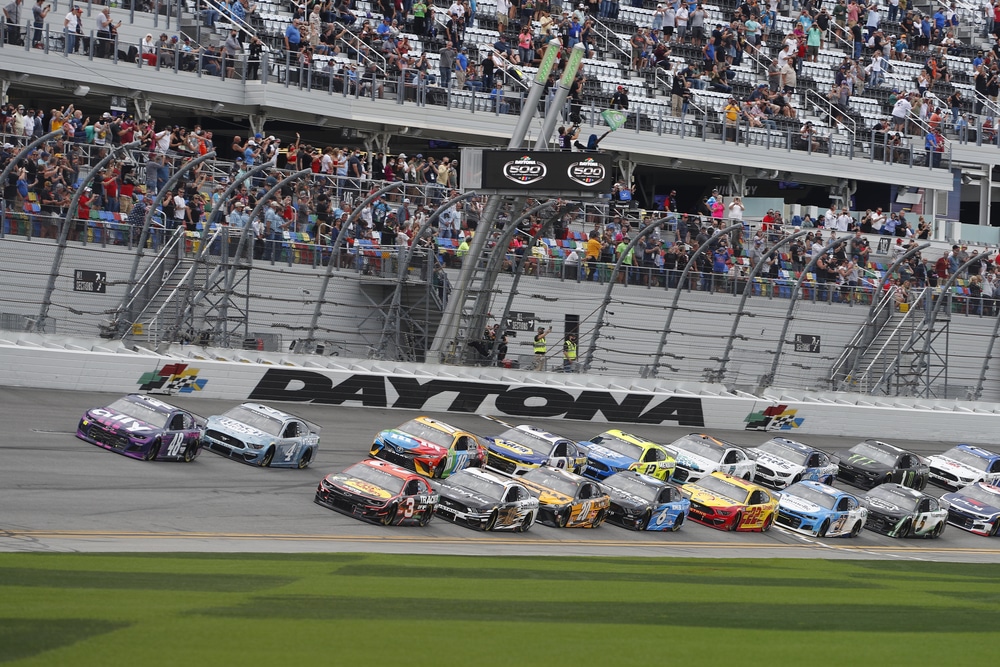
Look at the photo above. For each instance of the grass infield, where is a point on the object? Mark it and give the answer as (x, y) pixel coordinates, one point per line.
(374, 609)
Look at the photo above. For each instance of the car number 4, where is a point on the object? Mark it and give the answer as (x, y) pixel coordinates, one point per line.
(290, 452)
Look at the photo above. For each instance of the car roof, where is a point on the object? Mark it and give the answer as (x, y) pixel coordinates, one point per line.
(438, 425)
(151, 403)
(486, 474)
(568, 476)
(274, 413)
(979, 451)
(822, 488)
(738, 481)
(541, 433)
(631, 437)
(388, 468)
(881, 444)
(639, 477)
(794, 444)
(710, 440)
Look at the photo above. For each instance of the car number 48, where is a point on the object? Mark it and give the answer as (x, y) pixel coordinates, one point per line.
(176, 445)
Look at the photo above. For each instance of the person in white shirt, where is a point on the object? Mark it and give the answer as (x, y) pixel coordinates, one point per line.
(878, 219)
(844, 221)
(736, 209)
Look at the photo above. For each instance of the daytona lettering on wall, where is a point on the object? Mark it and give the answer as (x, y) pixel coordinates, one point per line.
(463, 396)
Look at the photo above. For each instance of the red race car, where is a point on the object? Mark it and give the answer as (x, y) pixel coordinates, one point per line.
(379, 491)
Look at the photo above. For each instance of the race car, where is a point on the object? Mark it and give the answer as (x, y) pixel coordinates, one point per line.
(485, 501)
(822, 511)
(731, 503)
(873, 462)
(429, 447)
(641, 502)
(614, 451)
(143, 427)
(523, 448)
(566, 500)
(899, 511)
(975, 508)
(698, 455)
(782, 462)
(380, 492)
(262, 436)
(964, 465)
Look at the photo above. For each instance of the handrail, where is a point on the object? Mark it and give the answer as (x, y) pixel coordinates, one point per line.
(360, 48)
(842, 40)
(845, 121)
(228, 16)
(987, 102)
(855, 343)
(612, 40)
(156, 265)
(507, 76)
(892, 338)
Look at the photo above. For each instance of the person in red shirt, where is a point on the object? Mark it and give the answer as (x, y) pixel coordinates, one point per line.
(941, 267)
(82, 214)
(110, 179)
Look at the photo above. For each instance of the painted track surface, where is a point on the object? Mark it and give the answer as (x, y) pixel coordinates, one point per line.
(58, 493)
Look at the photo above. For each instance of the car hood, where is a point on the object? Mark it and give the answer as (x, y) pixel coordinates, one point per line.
(625, 499)
(957, 467)
(244, 431)
(520, 452)
(359, 487)
(695, 462)
(711, 499)
(776, 462)
(463, 495)
(408, 442)
(967, 504)
(861, 463)
(608, 456)
(116, 421)
(797, 504)
(884, 506)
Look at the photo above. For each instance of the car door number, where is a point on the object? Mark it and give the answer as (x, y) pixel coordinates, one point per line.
(290, 452)
(176, 445)
(408, 506)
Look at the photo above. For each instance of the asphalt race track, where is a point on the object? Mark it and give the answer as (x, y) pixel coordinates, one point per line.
(60, 494)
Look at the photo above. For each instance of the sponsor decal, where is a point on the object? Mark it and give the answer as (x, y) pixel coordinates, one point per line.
(302, 386)
(525, 170)
(172, 379)
(367, 488)
(586, 172)
(773, 418)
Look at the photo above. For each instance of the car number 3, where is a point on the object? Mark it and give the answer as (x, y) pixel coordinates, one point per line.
(408, 506)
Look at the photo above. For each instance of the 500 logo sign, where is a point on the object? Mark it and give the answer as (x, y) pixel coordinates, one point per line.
(541, 171)
(464, 396)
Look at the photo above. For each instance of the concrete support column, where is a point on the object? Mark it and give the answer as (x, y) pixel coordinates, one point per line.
(257, 121)
(985, 188)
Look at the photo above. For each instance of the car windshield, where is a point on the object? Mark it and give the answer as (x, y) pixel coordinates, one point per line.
(875, 453)
(812, 495)
(616, 444)
(261, 422)
(635, 487)
(968, 458)
(425, 432)
(552, 480)
(123, 406)
(781, 450)
(383, 480)
(976, 492)
(703, 448)
(890, 495)
(478, 485)
(539, 446)
(721, 487)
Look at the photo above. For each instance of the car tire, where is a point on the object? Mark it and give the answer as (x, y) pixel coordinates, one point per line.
(678, 523)
(491, 523)
(599, 519)
(646, 518)
(907, 529)
(995, 529)
(795, 480)
(561, 521)
(856, 529)
(154, 449)
(830, 480)
(390, 516)
(748, 477)
(526, 523)
(939, 530)
(825, 526)
(268, 457)
(190, 452)
(425, 518)
(767, 523)
(736, 522)
(306, 458)
(438, 472)
(923, 483)
(887, 480)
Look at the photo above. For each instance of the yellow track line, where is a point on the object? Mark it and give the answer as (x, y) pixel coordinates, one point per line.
(412, 539)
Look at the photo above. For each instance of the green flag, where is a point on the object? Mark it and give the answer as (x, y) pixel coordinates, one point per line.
(614, 119)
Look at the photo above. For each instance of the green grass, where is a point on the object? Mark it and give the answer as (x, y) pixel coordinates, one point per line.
(343, 609)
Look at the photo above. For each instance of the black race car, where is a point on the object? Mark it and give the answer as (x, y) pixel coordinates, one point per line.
(897, 511)
(485, 501)
(641, 502)
(873, 462)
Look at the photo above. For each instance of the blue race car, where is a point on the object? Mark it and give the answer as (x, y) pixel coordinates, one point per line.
(641, 502)
(522, 448)
(976, 508)
(782, 462)
(143, 427)
(964, 465)
(820, 510)
(262, 436)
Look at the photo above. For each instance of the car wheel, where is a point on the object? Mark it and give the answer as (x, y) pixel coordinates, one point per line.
(796, 479)
(767, 523)
(830, 480)
(526, 523)
(887, 480)
(154, 449)
(856, 530)
(736, 521)
(646, 518)
(678, 523)
(599, 519)
(306, 458)
(190, 452)
(939, 530)
(491, 523)
(923, 484)
(390, 516)
(438, 471)
(748, 477)
(425, 518)
(995, 528)
(825, 526)
(905, 530)
(268, 457)
(561, 521)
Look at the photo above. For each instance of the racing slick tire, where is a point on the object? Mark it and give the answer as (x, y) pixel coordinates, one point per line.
(939, 530)
(922, 484)
(491, 523)
(856, 529)
(599, 519)
(825, 526)
(748, 477)
(886, 480)
(390, 516)
(306, 458)
(268, 457)
(527, 522)
(830, 480)
(907, 529)
(736, 522)
(995, 529)
(425, 518)
(438, 471)
(767, 523)
(796, 480)
(644, 521)
(677, 524)
(561, 521)
(154, 449)
(190, 452)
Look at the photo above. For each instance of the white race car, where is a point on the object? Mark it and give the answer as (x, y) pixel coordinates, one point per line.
(820, 510)
(698, 455)
(782, 462)
(964, 465)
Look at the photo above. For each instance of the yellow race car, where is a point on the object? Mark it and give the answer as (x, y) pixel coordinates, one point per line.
(566, 500)
(616, 451)
(731, 503)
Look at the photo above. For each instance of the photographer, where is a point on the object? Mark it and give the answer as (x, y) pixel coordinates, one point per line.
(38, 14)
(567, 136)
